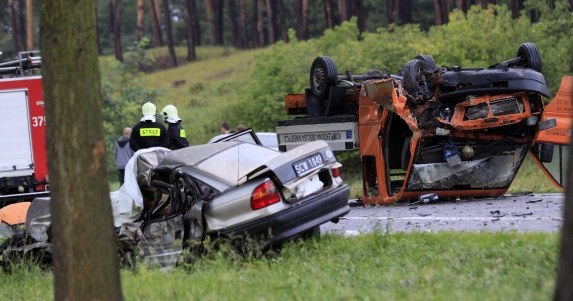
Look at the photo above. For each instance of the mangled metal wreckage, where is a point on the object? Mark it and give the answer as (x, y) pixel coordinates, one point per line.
(456, 132)
(234, 190)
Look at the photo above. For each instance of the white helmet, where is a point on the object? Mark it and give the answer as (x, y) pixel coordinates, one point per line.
(170, 112)
(148, 109)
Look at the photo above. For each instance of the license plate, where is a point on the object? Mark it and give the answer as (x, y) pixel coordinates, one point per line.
(308, 164)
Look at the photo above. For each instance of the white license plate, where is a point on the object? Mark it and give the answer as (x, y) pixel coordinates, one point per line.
(308, 164)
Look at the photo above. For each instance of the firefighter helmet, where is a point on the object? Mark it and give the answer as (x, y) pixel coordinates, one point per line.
(148, 109)
(169, 111)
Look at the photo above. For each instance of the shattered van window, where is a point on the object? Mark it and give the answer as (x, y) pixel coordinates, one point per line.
(495, 171)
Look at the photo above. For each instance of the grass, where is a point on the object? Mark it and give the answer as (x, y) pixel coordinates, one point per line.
(377, 266)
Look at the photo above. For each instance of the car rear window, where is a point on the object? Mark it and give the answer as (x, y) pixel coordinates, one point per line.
(234, 163)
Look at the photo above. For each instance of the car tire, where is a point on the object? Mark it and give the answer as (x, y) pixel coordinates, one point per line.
(414, 79)
(322, 76)
(531, 56)
(428, 60)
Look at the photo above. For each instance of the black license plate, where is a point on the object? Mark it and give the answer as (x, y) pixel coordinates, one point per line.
(308, 164)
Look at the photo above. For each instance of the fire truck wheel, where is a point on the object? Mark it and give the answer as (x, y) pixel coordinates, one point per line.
(322, 76)
(414, 79)
(530, 55)
(428, 60)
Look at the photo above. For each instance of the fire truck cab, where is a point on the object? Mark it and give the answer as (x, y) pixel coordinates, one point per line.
(23, 158)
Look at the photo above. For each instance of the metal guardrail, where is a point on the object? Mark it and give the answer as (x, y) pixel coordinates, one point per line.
(21, 197)
(26, 63)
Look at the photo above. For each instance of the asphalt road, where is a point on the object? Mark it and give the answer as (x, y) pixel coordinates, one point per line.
(522, 213)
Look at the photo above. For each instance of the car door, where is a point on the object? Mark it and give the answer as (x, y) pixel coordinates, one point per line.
(550, 148)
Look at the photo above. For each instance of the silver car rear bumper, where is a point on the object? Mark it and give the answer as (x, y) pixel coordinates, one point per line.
(314, 211)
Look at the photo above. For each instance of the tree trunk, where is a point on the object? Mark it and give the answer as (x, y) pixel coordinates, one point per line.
(271, 22)
(445, 11)
(258, 7)
(246, 35)
(516, 7)
(85, 255)
(157, 40)
(302, 19)
(214, 9)
(169, 32)
(196, 25)
(111, 14)
(405, 12)
(343, 10)
(485, 3)
(358, 10)
(461, 5)
(29, 25)
(437, 12)
(235, 29)
(14, 26)
(117, 31)
(140, 20)
(563, 287)
(390, 11)
(22, 22)
(328, 14)
(98, 28)
(281, 16)
(190, 19)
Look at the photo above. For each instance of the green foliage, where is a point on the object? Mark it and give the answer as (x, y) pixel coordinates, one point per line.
(375, 266)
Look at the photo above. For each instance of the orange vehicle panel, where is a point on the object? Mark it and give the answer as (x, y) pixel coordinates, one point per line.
(560, 108)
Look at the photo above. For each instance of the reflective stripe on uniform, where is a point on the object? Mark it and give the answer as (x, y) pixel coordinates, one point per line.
(156, 132)
(182, 133)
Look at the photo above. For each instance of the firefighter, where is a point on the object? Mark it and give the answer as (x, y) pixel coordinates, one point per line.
(177, 136)
(148, 133)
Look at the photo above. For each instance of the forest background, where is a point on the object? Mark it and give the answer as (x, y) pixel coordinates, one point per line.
(235, 60)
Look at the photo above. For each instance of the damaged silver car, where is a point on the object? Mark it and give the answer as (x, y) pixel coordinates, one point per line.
(233, 189)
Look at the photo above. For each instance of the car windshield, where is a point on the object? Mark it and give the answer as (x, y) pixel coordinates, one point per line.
(493, 170)
(234, 163)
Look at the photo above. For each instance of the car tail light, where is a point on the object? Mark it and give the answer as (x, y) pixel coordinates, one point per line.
(335, 172)
(264, 195)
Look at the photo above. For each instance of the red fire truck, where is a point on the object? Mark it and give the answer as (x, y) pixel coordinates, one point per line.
(23, 158)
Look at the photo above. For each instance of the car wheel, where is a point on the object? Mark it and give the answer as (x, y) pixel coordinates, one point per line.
(322, 76)
(414, 79)
(530, 54)
(428, 60)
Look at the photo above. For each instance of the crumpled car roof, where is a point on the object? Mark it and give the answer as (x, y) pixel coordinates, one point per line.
(229, 161)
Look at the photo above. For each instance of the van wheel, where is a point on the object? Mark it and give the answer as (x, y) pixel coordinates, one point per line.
(414, 79)
(322, 76)
(428, 60)
(530, 54)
